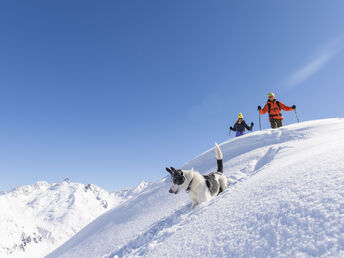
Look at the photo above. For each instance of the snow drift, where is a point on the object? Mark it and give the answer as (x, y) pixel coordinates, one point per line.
(285, 199)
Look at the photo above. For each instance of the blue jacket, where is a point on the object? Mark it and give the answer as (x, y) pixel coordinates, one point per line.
(240, 128)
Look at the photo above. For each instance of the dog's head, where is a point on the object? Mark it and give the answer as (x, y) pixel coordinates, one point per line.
(178, 180)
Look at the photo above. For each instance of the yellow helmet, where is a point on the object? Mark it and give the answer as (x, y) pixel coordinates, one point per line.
(240, 116)
(271, 94)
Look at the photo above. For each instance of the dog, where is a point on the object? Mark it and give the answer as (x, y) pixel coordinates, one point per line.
(201, 188)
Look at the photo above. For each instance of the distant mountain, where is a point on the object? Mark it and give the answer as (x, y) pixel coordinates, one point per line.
(35, 219)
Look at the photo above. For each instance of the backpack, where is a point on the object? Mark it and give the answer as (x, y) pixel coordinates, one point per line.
(278, 104)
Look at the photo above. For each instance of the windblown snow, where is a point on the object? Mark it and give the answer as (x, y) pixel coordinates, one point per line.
(36, 219)
(285, 199)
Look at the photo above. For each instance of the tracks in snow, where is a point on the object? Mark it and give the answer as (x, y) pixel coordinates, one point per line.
(159, 230)
(165, 227)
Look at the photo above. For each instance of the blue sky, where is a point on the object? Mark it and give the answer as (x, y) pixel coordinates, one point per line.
(111, 92)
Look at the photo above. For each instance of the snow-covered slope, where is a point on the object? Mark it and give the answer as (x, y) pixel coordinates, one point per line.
(286, 199)
(36, 219)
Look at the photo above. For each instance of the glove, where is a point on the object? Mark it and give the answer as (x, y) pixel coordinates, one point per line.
(293, 107)
(252, 124)
(259, 108)
(231, 128)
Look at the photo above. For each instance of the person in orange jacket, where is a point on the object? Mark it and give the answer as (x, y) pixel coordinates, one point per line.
(274, 107)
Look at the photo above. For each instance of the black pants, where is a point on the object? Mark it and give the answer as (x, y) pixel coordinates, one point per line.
(276, 123)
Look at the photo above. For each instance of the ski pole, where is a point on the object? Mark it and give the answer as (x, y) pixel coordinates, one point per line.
(260, 123)
(297, 117)
(229, 132)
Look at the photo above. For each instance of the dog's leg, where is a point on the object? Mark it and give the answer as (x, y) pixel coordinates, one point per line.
(220, 190)
(194, 204)
(223, 183)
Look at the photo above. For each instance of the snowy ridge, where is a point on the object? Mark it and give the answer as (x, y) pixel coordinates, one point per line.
(285, 199)
(35, 219)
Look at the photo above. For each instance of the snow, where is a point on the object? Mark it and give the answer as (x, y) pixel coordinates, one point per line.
(285, 199)
(35, 219)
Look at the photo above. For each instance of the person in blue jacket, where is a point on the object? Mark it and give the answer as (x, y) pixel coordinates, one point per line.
(240, 126)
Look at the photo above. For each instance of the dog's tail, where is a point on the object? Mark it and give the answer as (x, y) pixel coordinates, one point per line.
(219, 158)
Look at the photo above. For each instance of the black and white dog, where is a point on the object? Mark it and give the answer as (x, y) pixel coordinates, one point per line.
(201, 188)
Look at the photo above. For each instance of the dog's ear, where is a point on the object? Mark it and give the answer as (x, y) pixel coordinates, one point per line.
(177, 171)
(169, 171)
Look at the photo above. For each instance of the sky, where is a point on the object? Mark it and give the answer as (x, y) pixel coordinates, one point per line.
(112, 92)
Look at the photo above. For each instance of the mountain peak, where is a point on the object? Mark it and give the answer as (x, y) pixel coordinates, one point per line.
(141, 186)
(36, 218)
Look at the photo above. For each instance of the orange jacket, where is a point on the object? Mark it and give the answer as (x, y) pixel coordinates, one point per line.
(274, 110)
